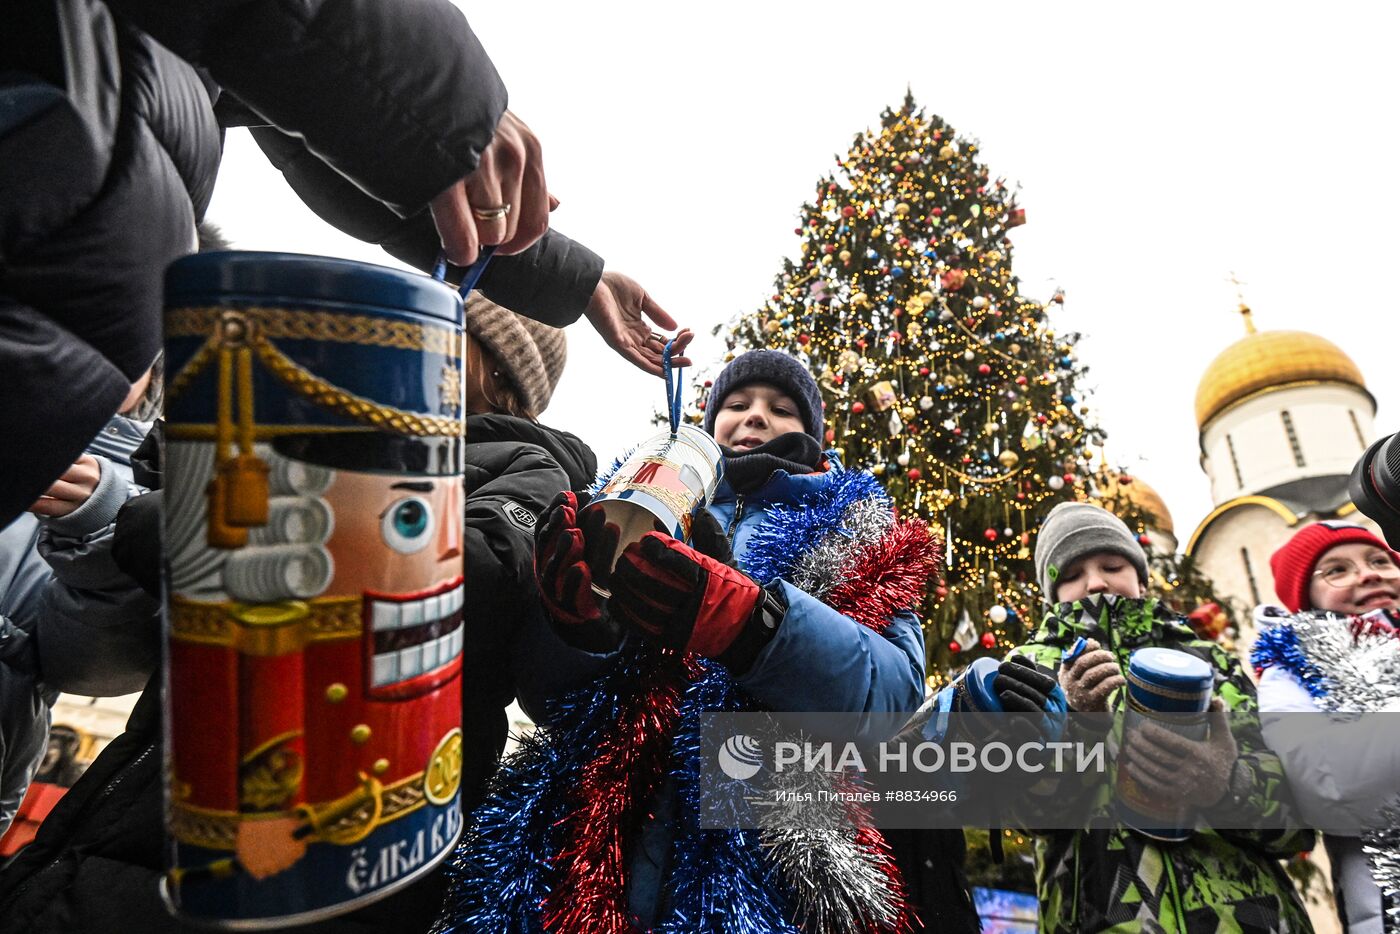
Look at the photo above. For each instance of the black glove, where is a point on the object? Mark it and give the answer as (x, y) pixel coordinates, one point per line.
(136, 540)
(707, 537)
(1023, 686)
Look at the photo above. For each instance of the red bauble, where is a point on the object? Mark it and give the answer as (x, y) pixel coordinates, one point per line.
(937, 212)
(990, 535)
(1069, 478)
(966, 459)
(940, 592)
(984, 369)
(804, 339)
(857, 408)
(957, 432)
(989, 641)
(923, 371)
(1144, 541)
(848, 211)
(812, 222)
(829, 248)
(830, 436)
(955, 647)
(914, 473)
(903, 241)
(709, 383)
(1020, 381)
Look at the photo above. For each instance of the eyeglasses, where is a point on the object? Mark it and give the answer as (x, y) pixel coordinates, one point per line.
(1345, 573)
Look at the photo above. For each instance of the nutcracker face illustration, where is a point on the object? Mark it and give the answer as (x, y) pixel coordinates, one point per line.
(314, 536)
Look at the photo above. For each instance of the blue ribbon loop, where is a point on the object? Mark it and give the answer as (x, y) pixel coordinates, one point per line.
(673, 386)
(470, 275)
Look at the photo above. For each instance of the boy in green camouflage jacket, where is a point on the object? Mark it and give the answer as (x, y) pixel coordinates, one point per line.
(1093, 573)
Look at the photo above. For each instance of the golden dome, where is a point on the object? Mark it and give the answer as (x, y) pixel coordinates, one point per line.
(1144, 498)
(1265, 359)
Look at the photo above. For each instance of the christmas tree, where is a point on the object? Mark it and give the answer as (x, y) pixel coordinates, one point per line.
(938, 375)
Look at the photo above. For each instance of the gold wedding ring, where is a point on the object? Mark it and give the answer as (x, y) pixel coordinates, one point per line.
(491, 214)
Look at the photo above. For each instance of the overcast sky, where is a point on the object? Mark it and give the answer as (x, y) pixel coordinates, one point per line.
(1158, 149)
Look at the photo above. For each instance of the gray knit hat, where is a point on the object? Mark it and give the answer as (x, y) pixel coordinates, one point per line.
(531, 354)
(776, 369)
(1073, 530)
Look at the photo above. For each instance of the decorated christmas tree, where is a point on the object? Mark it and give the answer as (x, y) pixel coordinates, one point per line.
(938, 374)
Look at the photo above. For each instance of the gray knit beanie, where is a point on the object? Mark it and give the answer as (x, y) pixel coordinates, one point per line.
(1073, 530)
(531, 354)
(776, 369)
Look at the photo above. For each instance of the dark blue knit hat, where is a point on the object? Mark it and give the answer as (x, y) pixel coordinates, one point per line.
(776, 369)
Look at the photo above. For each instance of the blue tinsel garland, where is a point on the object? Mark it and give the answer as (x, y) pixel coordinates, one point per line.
(791, 530)
(1277, 647)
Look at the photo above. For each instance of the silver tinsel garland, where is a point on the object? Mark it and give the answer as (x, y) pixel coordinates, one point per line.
(862, 524)
(1361, 671)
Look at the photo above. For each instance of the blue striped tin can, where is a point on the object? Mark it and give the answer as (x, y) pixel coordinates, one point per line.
(1174, 689)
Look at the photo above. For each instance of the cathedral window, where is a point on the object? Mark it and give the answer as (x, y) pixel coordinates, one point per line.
(1293, 439)
(1356, 427)
(1249, 573)
(1234, 461)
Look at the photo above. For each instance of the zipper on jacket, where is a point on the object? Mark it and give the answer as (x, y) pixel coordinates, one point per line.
(734, 522)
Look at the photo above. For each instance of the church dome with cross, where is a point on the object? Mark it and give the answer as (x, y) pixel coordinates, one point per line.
(1283, 416)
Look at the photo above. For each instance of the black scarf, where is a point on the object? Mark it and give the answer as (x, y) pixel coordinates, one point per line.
(796, 452)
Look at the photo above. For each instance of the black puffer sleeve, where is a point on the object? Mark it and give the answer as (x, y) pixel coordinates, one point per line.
(397, 95)
(550, 282)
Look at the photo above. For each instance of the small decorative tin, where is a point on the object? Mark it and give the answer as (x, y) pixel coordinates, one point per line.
(1173, 688)
(661, 485)
(973, 692)
(315, 598)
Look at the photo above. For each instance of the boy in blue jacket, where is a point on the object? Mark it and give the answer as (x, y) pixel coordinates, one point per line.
(800, 617)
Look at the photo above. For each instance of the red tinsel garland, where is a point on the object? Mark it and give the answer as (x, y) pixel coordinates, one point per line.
(609, 803)
(887, 576)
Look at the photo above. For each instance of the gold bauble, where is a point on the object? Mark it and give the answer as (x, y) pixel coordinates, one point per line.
(1014, 349)
(1017, 406)
(907, 413)
(1062, 410)
(902, 209)
(990, 428)
(860, 299)
(1009, 459)
(772, 327)
(845, 256)
(878, 470)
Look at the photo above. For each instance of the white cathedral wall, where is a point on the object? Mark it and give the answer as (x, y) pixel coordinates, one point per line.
(1322, 423)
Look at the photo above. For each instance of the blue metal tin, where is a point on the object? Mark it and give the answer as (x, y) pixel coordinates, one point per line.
(316, 593)
(1173, 688)
(974, 693)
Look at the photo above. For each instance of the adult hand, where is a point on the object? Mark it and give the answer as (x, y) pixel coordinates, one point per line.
(1176, 769)
(569, 560)
(1092, 677)
(679, 598)
(616, 312)
(71, 490)
(503, 201)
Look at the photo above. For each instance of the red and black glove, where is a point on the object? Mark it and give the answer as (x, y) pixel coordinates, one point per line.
(569, 560)
(683, 599)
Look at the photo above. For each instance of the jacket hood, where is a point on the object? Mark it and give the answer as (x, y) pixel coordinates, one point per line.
(575, 457)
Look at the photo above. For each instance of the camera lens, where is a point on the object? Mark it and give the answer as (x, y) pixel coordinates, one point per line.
(1375, 486)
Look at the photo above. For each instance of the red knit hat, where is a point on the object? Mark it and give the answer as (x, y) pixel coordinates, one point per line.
(1294, 563)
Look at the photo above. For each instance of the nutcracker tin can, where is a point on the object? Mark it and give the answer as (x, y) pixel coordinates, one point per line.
(1174, 689)
(313, 499)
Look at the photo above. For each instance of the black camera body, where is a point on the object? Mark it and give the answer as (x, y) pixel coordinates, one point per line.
(1375, 486)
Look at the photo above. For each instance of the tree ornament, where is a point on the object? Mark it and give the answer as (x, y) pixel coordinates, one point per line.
(881, 395)
(979, 302)
(926, 403)
(997, 614)
(984, 369)
(844, 256)
(969, 355)
(1055, 483)
(1008, 458)
(988, 640)
(955, 647)
(877, 469)
(914, 474)
(953, 280)
(990, 534)
(857, 408)
(903, 459)
(902, 209)
(907, 413)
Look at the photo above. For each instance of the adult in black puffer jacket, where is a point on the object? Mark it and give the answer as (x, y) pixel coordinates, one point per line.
(110, 145)
(96, 862)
